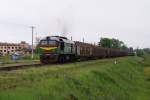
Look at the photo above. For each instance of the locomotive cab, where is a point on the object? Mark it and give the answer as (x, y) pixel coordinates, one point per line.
(56, 48)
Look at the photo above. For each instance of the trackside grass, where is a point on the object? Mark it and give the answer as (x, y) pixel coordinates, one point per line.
(89, 80)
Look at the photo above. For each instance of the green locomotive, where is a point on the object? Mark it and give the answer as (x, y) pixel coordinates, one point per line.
(56, 49)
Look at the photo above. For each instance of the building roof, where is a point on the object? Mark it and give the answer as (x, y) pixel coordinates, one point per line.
(9, 44)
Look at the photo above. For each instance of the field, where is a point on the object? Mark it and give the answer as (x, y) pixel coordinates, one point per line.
(129, 79)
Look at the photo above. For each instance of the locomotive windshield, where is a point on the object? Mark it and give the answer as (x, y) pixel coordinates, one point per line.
(48, 42)
(43, 42)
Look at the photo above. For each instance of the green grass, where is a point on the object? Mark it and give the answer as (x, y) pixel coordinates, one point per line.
(146, 64)
(28, 57)
(6, 60)
(90, 80)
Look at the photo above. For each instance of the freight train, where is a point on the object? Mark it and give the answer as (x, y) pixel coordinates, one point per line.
(60, 49)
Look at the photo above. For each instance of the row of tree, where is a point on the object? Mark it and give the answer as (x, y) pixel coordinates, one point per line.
(113, 43)
(140, 52)
(117, 44)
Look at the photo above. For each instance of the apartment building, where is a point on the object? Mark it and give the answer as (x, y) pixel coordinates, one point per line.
(9, 48)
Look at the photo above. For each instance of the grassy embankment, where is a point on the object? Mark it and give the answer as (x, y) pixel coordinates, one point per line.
(90, 80)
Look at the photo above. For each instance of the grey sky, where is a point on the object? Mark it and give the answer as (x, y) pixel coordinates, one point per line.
(127, 20)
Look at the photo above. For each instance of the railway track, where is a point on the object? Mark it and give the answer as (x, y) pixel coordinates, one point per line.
(26, 65)
(19, 66)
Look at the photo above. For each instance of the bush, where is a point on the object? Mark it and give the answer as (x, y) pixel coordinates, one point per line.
(139, 52)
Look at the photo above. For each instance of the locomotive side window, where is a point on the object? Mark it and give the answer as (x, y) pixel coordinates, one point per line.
(62, 45)
(71, 48)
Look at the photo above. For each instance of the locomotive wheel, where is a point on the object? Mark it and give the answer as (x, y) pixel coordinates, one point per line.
(73, 59)
(61, 59)
(43, 61)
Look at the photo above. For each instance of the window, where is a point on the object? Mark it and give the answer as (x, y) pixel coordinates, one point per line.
(43, 42)
(50, 42)
(12, 47)
(4, 50)
(71, 48)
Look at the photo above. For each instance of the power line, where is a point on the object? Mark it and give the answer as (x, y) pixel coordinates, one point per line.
(22, 25)
(14, 24)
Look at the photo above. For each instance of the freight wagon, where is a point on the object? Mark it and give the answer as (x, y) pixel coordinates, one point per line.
(60, 49)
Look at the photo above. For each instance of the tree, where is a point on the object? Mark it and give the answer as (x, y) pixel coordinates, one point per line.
(139, 52)
(146, 50)
(116, 43)
(124, 47)
(105, 42)
(112, 43)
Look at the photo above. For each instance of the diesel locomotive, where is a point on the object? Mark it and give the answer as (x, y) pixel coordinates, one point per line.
(60, 49)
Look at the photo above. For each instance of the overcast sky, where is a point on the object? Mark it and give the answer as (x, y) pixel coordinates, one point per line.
(127, 20)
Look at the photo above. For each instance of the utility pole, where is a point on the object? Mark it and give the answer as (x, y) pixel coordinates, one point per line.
(32, 27)
(83, 40)
(71, 37)
(36, 38)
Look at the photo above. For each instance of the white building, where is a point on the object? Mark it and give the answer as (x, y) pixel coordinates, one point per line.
(9, 48)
